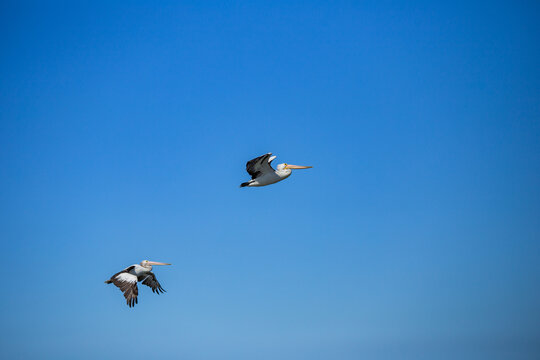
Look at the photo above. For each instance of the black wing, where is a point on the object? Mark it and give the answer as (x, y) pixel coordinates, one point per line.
(151, 281)
(259, 166)
(127, 283)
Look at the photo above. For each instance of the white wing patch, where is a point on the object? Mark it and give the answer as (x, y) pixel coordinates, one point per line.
(126, 277)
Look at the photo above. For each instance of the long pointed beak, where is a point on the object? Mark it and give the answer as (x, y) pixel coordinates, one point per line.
(157, 263)
(289, 166)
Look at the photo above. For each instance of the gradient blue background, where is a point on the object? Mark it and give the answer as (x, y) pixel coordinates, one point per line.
(125, 128)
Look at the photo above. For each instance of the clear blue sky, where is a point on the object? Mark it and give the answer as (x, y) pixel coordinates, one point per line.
(125, 128)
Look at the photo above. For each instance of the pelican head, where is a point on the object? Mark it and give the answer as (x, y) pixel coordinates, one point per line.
(148, 264)
(292, 167)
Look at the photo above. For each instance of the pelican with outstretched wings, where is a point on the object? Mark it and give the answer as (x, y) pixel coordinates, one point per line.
(126, 280)
(263, 174)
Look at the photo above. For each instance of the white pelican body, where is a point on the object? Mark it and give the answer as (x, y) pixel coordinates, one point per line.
(263, 174)
(126, 280)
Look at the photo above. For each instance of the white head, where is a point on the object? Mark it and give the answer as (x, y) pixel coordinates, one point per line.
(148, 264)
(281, 167)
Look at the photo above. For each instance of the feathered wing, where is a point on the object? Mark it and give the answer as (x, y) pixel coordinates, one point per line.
(151, 281)
(260, 165)
(127, 283)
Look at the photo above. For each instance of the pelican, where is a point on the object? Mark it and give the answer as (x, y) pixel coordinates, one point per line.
(263, 174)
(126, 280)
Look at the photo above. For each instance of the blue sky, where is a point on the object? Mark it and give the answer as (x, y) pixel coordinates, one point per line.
(125, 129)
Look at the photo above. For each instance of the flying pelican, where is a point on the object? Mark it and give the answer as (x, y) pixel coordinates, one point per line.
(126, 280)
(263, 174)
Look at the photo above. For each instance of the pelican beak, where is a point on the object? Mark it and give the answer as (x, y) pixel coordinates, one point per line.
(157, 263)
(289, 166)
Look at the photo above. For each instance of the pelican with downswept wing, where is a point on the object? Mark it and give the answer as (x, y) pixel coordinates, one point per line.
(126, 280)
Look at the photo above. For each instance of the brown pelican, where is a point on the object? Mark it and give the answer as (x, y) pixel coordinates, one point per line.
(126, 280)
(263, 174)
